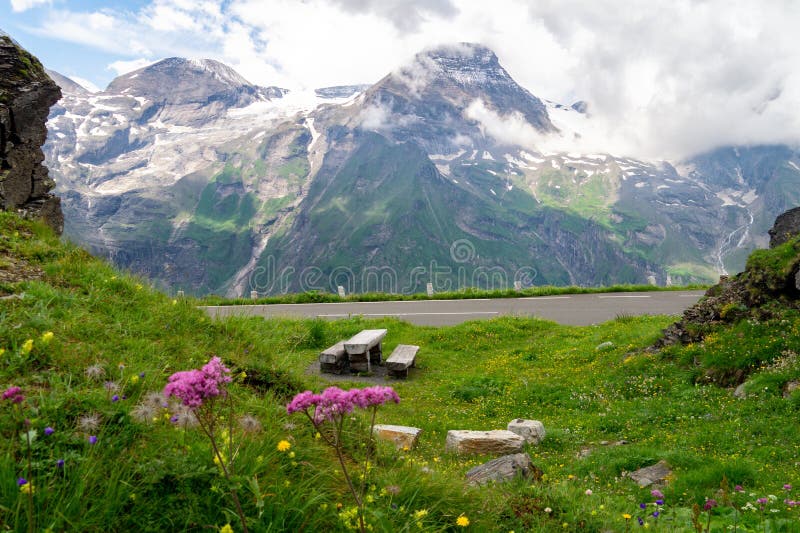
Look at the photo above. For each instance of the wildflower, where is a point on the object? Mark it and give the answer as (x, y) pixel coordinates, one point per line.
(626, 516)
(762, 501)
(27, 346)
(655, 514)
(111, 386)
(655, 493)
(21, 481)
(193, 387)
(419, 515)
(95, 371)
(659, 502)
(89, 422)
(25, 488)
(47, 336)
(226, 529)
(92, 439)
(49, 431)
(639, 519)
(115, 398)
(284, 445)
(462, 521)
(183, 417)
(249, 424)
(787, 487)
(642, 506)
(394, 490)
(588, 492)
(143, 412)
(141, 375)
(14, 394)
(134, 379)
(710, 504)
(548, 510)
(738, 488)
(60, 463)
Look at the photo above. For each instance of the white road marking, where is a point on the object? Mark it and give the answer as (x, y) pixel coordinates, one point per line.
(627, 296)
(545, 298)
(407, 314)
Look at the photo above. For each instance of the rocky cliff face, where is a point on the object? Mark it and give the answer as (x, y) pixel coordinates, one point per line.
(26, 94)
(769, 284)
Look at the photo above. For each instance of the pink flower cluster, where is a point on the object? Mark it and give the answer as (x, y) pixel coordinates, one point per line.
(193, 387)
(335, 402)
(14, 394)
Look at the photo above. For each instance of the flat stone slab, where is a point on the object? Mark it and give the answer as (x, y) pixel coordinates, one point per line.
(656, 474)
(503, 469)
(403, 437)
(364, 340)
(334, 354)
(498, 441)
(530, 430)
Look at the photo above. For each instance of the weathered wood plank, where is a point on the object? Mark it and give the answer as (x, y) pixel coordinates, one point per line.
(333, 354)
(403, 356)
(364, 340)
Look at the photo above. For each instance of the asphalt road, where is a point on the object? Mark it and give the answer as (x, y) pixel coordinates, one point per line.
(573, 309)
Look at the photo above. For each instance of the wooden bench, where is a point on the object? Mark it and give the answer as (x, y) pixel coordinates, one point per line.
(403, 357)
(364, 349)
(334, 360)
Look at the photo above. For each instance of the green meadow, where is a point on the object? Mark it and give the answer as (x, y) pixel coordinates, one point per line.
(100, 449)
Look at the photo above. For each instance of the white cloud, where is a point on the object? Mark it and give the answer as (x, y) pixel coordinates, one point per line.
(664, 78)
(123, 67)
(18, 6)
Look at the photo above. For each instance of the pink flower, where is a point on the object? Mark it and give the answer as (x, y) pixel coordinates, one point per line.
(14, 394)
(655, 493)
(588, 492)
(302, 402)
(193, 387)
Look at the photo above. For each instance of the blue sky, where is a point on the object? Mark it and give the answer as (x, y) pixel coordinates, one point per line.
(663, 78)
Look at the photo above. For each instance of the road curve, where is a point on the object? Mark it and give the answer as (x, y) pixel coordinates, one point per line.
(571, 309)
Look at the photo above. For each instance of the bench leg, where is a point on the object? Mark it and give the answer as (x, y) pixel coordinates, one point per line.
(375, 355)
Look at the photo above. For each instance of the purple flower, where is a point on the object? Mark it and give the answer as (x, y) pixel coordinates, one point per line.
(22, 481)
(302, 401)
(762, 501)
(60, 463)
(642, 506)
(193, 387)
(710, 504)
(655, 493)
(787, 487)
(174, 419)
(49, 431)
(655, 514)
(641, 522)
(14, 394)
(659, 502)
(115, 398)
(141, 374)
(738, 488)
(92, 439)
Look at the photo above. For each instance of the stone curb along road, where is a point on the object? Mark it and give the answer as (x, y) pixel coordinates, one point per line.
(568, 309)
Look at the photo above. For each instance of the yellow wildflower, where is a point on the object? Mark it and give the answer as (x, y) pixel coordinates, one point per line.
(47, 336)
(419, 515)
(284, 445)
(291, 455)
(27, 346)
(27, 488)
(2, 351)
(462, 521)
(226, 529)
(626, 516)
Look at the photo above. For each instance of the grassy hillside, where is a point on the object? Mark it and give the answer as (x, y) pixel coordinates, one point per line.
(115, 341)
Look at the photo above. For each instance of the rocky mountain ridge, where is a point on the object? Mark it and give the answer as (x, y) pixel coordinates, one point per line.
(26, 94)
(227, 187)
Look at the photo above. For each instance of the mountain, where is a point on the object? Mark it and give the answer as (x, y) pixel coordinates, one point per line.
(187, 173)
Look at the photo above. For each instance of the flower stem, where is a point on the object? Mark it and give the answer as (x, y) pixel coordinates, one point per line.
(31, 528)
(219, 457)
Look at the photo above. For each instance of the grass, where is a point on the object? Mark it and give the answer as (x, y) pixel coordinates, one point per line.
(149, 474)
(464, 294)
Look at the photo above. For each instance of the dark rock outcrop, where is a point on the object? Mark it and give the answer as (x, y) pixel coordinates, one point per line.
(769, 284)
(786, 226)
(26, 95)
